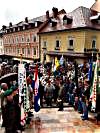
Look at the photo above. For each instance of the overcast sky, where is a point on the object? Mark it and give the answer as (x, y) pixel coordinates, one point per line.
(16, 10)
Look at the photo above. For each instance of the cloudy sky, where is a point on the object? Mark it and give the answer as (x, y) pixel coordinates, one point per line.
(16, 10)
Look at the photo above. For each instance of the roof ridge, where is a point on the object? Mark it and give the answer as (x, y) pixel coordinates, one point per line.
(79, 7)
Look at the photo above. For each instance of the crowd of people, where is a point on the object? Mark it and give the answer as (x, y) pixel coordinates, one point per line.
(69, 83)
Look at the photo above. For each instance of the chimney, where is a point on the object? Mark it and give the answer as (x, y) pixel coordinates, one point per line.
(47, 15)
(55, 12)
(26, 19)
(10, 24)
(3, 27)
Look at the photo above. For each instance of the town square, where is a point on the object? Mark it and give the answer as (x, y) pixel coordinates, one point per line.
(50, 72)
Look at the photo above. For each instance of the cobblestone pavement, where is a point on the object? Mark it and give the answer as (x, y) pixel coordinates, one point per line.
(67, 121)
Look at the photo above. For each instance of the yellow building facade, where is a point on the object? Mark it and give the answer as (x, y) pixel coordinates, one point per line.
(75, 41)
(82, 39)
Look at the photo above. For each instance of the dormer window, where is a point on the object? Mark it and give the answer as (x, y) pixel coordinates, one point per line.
(18, 28)
(36, 24)
(14, 29)
(24, 27)
(67, 20)
(53, 23)
(50, 24)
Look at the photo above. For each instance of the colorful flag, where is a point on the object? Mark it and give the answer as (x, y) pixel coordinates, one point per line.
(56, 62)
(93, 89)
(90, 71)
(26, 93)
(61, 60)
(23, 93)
(20, 80)
(36, 91)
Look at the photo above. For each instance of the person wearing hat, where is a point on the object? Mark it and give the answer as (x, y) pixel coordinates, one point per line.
(85, 99)
(10, 114)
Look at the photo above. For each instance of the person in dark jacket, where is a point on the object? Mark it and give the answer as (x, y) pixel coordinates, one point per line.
(10, 113)
(61, 96)
(4, 87)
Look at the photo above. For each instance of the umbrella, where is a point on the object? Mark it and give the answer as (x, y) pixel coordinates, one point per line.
(9, 77)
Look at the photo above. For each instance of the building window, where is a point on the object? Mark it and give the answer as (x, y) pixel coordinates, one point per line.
(22, 50)
(57, 45)
(28, 38)
(71, 43)
(13, 40)
(13, 50)
(94, 43)
(10, 50)
(28, 51)
(22, 39)
(18, 50)
(9, 41)
(6, 50)
(34, 51)
(44, 44)
(65, 21)
(34, 38)
(17, 39)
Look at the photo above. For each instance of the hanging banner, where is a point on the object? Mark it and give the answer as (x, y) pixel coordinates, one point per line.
(26, 93)
(20, 80)
(93, 90)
